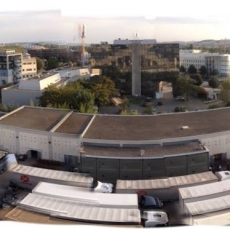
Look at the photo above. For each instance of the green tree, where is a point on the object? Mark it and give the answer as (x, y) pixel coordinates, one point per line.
(51, 97)
(103, 89)
(225, 92)
(83, 101)
(192, 69)
(215, 72)
(203, 70)
(52, 63)
(183, 86)
(182, 69)
(214, 82)
(148, 110)
(40, 64)
(201, 92)
(198, 79)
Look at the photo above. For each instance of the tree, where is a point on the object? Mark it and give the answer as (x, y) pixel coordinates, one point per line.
(182, 69)
(225, 92)
(215, 72)
(103, 89)
(214, 82)
(203, 70)
(183, 86)
(40, 64)
(51, 97)
(201, 92)
(192, 69)
(52, 63)
(198, 79)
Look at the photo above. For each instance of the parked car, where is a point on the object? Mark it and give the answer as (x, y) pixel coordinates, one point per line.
(22, 157)
(158, 103)
(104, 187)
(149, 202)
(154, 218)
(180, 98)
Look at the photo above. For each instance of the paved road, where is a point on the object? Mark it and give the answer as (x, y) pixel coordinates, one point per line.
(169, 104)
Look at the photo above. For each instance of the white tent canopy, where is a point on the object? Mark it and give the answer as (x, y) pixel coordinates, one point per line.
(82, 195)
(70, 209)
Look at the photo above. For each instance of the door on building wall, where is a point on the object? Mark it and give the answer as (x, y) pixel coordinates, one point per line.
(220, 157)
(34, 154)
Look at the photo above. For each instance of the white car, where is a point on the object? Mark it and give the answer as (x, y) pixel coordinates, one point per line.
(154, 218)
(104, 187)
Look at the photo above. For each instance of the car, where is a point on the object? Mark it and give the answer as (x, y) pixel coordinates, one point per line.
(159, 103)
(103, 187)
(154, 218)
(149, 202)
(180, 98)
(22, 157)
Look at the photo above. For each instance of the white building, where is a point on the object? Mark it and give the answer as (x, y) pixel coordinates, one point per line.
(29, 89)
(15, 66)
(10, 66)
(129, 42)
(192, 58)
(29, 66)
(211, 61)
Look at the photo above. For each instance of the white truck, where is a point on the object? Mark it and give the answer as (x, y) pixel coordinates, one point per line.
(6, 160)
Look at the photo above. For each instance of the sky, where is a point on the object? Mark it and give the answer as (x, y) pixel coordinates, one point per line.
(106, 20)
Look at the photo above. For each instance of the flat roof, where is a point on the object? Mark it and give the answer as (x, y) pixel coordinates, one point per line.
(36, 118)
(205, 190)
(83, 180)
(158, 127)
(117, 127)
(191, 179)
(69, 209)
(75, 124)
(109, 200)
(208, 206)
(21, 215)
(149, 151)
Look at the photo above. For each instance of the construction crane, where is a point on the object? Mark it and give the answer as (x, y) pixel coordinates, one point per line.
(82, 37)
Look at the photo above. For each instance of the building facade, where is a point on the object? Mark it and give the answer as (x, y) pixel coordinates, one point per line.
(110, 147)
(10, 66)
(29, 90)
(16, 66)
(137, 56)
(212, 61)
(29, 66)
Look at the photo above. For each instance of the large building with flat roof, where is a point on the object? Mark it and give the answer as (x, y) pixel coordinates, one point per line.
(111, 147)
(30, 89)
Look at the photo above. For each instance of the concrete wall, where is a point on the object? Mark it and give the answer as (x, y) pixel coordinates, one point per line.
(111, 169)
(15, 97)
(51, 146)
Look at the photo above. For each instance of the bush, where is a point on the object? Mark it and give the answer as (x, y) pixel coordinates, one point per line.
(214, 82)
(201, 92)
(180, 109)
(215, 106)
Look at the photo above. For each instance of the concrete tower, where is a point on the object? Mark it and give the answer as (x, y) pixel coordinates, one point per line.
(136, 67)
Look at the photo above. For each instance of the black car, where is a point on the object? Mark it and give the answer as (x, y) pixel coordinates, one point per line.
(22, 157)
(149, 202)
(159, 103)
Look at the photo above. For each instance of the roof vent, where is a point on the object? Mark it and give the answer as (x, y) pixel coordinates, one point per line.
(184, 127)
